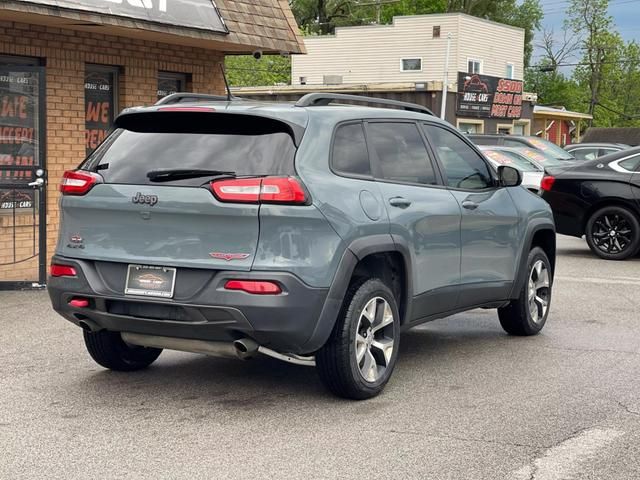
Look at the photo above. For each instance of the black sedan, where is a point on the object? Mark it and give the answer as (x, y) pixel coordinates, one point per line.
(599, 199)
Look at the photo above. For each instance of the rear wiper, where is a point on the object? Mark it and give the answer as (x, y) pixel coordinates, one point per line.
(167, 175)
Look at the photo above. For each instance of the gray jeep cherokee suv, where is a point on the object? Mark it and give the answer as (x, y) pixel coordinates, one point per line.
(314, 233)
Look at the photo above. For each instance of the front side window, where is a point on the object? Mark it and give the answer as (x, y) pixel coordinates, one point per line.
(350, 153)
(474, 66)
(401, 153)
(411, 65)
(463, 167)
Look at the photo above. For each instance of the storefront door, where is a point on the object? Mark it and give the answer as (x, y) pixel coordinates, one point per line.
(22, 177)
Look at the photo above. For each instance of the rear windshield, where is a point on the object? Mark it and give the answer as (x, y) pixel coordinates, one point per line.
(255, 146)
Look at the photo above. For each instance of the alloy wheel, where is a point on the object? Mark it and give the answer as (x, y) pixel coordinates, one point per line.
(539, 291)
(375, 339)
(612, 233)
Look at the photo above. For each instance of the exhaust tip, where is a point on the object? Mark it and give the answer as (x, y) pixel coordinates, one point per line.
(245, 347)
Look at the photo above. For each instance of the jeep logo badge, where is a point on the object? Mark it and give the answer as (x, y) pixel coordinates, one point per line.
(145, 199)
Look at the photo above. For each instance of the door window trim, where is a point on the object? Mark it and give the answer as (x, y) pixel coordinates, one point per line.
(492, 172)
(375, 161)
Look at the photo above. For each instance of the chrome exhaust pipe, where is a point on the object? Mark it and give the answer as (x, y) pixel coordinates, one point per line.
(245, 348)
(214, 349)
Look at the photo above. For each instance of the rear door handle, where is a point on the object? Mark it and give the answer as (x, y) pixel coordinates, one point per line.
(399, 202)
(469, 205)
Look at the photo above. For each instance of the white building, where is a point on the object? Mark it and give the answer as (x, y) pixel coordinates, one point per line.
(411, 49)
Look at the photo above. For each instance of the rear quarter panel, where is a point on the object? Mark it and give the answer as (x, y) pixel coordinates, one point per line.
(341, 200)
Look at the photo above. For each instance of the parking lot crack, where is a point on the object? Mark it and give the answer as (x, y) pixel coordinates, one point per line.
(626, 408)
(463, 439)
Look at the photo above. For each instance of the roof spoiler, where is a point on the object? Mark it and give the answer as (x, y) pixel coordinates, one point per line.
(324, 99)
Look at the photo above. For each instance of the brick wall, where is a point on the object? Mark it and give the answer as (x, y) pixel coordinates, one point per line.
(65, 53)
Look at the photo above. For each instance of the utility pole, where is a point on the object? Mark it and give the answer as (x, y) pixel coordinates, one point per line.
(445, 83)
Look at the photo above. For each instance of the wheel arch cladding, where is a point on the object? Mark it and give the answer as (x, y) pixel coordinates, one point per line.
(361, 255)
(546, 239)
(540, 234)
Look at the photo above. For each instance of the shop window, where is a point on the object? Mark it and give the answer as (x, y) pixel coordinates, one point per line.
(519, 129)
(411, 65)
(474, 66)
(100, 101)
(467, 127)
(169, 83)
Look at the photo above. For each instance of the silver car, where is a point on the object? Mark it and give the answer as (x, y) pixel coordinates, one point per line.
(532, 172)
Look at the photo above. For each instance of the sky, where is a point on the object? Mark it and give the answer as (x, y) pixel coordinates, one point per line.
(625, 13)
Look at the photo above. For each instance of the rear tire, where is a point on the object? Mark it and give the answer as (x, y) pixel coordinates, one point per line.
(109, 350)
(358, 359)
(623, 243)
(528, 314)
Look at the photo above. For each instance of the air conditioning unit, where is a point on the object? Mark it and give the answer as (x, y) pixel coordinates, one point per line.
(332, 79)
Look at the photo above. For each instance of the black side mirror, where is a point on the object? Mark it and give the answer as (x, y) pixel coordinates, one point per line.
(509, 176)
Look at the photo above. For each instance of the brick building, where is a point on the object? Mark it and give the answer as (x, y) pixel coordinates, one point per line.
(68, 66)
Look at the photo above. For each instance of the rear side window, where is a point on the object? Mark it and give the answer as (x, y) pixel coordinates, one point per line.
(205, 141)
(401, 153)
(632, 164)
(350, 155)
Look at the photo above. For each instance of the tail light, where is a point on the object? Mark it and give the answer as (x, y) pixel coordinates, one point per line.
(62, 271)
(253, 286)
(260, 190)
(547, 183)
(78, 182)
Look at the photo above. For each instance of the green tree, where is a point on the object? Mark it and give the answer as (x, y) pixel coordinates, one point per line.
(246, 71)
(590, 20)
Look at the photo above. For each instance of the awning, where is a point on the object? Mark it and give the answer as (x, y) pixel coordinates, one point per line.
(559, 113)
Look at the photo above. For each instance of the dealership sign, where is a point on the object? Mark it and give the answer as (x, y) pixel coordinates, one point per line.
(201, 14)
(490, 97)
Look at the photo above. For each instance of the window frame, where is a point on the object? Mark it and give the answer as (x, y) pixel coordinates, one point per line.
(340, 173)
(402, 69)
(375, 161)
(179, 76)
(480, 66)
(492, 172)
(513, 71)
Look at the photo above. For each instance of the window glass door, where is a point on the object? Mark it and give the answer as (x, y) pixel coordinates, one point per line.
(100, 87)
(22, 176)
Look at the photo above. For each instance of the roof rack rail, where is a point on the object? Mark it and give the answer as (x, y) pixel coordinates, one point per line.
(183, 97)
(324, 99)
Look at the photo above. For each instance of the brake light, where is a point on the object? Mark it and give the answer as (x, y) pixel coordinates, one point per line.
(78, 182)
(260, 190)
(547, 183)
(62, 271)
(255, 287)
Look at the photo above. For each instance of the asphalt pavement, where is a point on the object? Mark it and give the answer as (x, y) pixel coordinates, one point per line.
(466, 401)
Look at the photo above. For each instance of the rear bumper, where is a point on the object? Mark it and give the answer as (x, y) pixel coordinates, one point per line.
(201, 309)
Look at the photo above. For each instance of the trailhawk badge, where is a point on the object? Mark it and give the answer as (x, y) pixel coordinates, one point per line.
(229, 256)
